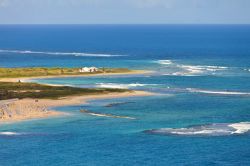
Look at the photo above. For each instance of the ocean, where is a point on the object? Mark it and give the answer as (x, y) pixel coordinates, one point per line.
(200, 114)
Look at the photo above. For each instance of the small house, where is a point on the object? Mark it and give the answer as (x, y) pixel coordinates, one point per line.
(88, 69)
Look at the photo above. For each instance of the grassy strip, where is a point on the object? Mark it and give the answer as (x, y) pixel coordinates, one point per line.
(10, 90)
(37, 71)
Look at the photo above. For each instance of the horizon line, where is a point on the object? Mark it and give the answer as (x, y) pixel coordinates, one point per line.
(126, 24)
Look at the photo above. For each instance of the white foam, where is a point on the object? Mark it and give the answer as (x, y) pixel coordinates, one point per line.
(247, 70)
(198, 69)
(112, 85)
(215, 129)
(9, 133)
(122, 86)
(180, 74)
(59, 53)
(139, 85)
(165, 62)
(241, 128)
(217, 92)
(190, 70)
(201, 132)
(108, 115)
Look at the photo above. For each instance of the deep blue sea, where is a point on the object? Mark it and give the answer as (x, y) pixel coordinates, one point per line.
(200, 114)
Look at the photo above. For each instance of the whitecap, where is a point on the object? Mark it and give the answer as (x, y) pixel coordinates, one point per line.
(110, 116)
(165, 62)
(215, 129)
(138, 84)
(112, 85)
(177, 69)
(247, 70)
(198, 69)
(194, 90)
(240, 128)
(123, 86)
(106, 115)
(59, 53)
(8, 133)
(180, 74)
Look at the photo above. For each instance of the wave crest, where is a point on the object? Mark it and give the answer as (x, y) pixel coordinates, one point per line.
(8, 133)
(122, 86)
(178, 69)
(217, 92)
(59, 53)
(215, 129)
(165, 62)
(106, 115)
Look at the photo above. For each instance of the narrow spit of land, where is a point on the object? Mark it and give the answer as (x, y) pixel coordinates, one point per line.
(16, 74)
(24, 101)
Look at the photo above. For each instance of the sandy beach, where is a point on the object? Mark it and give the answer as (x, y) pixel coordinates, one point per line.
(26, 109)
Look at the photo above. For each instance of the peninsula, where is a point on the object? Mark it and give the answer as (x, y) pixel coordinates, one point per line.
(23, 100)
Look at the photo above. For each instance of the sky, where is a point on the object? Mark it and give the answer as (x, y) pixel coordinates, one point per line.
(124, 11)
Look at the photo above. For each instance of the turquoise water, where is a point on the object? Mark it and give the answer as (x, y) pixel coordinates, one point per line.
(200, 115)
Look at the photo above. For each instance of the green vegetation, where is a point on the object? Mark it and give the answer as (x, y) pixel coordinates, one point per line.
(37, 71)
(9, 90)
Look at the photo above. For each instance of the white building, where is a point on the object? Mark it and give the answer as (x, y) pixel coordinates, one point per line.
(88, 69)
(93, 69)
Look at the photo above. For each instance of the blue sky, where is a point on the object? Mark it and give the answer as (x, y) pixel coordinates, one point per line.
(124, 11)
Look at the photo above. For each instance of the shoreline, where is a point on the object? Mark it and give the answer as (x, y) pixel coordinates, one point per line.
(31, 109)
(27, 79)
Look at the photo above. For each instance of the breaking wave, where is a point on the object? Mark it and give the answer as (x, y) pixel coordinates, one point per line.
(59, 53)
(177, 69)
(201, 69)
(215, 129)
(122, 86)
(189, 70)
(106, 115)
(165, 62)
(217, 92)
(8, 133)
(247, 70)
